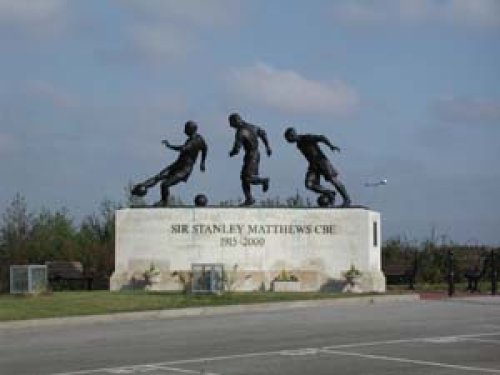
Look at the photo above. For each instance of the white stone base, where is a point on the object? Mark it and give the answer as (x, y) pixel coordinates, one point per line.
(254, 244)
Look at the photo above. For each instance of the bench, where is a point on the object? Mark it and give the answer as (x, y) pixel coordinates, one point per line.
(475, 272)
(399, 273)
(68, 271)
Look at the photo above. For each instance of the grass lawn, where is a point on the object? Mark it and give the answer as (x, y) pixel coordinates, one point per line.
(73, 303)
(59, 304)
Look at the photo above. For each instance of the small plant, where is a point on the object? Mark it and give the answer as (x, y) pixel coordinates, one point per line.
(285, 276)
(185, 278)
(229, 278)
(151, 272)
(352, 274)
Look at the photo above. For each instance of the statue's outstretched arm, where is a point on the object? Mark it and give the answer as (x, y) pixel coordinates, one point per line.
(326, 141)
(172, 147)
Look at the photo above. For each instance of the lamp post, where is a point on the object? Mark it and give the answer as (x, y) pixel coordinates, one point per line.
(451, 273)
(493, 272)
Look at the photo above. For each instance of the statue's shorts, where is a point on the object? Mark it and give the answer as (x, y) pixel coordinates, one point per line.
(176, 173)
(250, 165)
(322, 168)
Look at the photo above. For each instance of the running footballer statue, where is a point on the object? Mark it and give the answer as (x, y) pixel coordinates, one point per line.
(319, 165)
(247, 135)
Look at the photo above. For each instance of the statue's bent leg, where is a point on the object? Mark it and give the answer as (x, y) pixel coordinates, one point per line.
(150, 182)
(312, 183)
(250, 176)
(342, 191)
(257, 180)
(250, 171)
(247, 191)
(169, 180)
(142, 188)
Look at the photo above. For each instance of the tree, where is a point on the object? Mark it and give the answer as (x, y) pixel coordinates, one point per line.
(96, 239)
(15, 231)
(295, 201)
(52, 237)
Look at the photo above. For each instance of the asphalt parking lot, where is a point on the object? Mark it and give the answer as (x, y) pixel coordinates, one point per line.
(451, 336)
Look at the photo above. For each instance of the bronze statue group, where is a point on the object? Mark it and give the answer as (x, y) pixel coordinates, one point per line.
(247, 136)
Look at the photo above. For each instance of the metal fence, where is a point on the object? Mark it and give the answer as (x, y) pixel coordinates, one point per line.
(28, 279)
(207, 278)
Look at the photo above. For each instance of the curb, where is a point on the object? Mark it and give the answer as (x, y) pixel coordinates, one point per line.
(205, 311)
(431, 295)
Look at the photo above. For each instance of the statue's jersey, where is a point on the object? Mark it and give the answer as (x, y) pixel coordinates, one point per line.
(308, 145)
(247, 136)
(189, 152)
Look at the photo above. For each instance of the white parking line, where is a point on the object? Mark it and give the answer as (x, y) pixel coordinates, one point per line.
(412, 361)
(483, 340)
(143, 369)
(435, 339)
(332, 349)
(164, 364)
(184, 371)
(445, 340)
(300, 352)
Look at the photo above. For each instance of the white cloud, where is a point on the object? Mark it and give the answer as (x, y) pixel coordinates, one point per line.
(287, 91)
(167, 30)
(161, 42)
(470, 13)
(468, 110)
(33, 16)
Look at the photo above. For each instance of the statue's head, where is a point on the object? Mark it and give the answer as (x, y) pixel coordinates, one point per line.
(291, 135)
(234, 120)
(190, 128)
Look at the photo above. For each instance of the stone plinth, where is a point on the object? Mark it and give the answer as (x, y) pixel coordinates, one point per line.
(286, 286)
(254, 244)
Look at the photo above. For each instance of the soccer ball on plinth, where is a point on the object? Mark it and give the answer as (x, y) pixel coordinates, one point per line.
(324, 200)
(139, 190)
(200, 200)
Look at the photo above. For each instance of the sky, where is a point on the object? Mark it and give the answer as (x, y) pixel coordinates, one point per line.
(409, 90)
